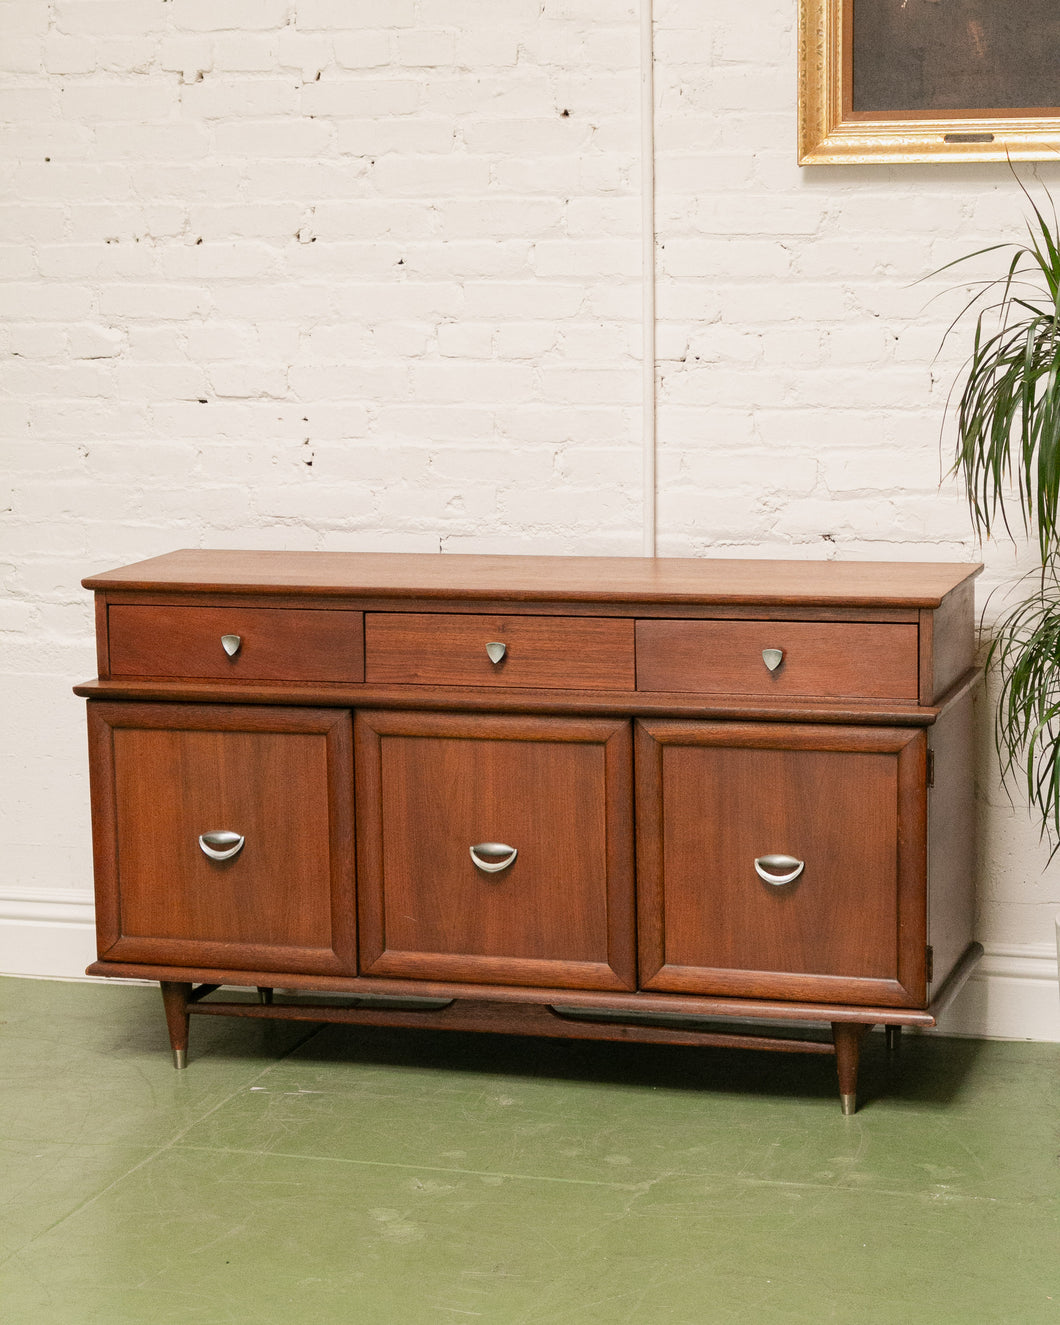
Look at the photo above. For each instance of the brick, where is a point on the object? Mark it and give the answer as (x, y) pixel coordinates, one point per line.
(275, 221)
(354, 97)
(362, 49)
(69, 54)
(33, 340)
(541, 137)
(245, 52)
(135, 141)
(298, 138)
(63, 303)
(339, 15)
(471, 381)
(375, 218)
(221, 98)
(588, 385)
(422, 47)
(16, 263)
(413, 135)
(431, 176)
(24, 18)
(517, 15)
(117, 101)
(99, 261)
(473, 260)
(154, 302)
(608, 257)
(19, 105)
(229, 15)
(90, 341)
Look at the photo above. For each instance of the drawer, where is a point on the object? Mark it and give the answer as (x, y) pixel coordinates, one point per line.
(830, 659)
(274, 644)
(434, 648)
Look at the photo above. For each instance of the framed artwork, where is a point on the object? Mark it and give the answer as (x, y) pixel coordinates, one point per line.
(927, 80)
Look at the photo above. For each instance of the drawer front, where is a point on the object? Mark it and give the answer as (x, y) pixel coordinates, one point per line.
(429, 648)
(832, 659)
(782, 861)
(269, 644)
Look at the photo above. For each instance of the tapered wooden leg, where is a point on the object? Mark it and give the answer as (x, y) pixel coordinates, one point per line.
(175, 1001)
(894, 1038)
(847, 1037)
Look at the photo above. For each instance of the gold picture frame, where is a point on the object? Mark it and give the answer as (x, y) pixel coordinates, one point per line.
(832, 132)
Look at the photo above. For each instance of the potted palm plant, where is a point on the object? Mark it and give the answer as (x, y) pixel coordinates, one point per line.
(1008, 453)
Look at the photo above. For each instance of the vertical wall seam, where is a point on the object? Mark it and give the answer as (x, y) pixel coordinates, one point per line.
(647, 195)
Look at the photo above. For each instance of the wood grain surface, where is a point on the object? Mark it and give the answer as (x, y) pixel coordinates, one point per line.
(164, 774)
(617, 579)
(559, 790)
(426, 648)
(713, 798)
(293, 644)
(851, 659)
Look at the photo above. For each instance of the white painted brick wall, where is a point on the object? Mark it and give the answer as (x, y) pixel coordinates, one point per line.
(401, 239)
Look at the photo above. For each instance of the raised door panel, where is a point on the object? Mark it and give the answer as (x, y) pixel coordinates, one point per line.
(279, 778)
(844, 806)
(557, 790)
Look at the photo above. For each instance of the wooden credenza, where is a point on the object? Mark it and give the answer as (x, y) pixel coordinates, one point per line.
(608, 798)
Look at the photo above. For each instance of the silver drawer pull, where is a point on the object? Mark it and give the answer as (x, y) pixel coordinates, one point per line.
(221, 844)
(507, 854)
(231, 644)
(496, 650)
(770, 867)
(772, 658)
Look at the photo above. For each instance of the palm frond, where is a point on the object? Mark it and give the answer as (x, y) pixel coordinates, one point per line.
(1025, 654)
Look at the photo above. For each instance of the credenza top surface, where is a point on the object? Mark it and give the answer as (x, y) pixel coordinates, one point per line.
(551, 578)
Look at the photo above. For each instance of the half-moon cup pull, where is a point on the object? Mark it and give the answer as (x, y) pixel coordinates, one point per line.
(772, 658)
(504, 856)
(496, 651)
(779, 870)
(221, 844)
(231, 644)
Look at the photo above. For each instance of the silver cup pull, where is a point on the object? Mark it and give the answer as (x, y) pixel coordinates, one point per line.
(772, 658)
(496, 651)
(503, 856)
(221, 844)
(231, 644)
(779, 870)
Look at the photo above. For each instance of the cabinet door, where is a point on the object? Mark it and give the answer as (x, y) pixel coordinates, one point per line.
(165, 775)
(556, 790)
(837, 914)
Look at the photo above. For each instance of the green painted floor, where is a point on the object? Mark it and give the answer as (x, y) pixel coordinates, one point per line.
(322, 1176)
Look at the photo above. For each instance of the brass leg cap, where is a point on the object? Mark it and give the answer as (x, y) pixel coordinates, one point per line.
(180, 1058)
(849, 1104)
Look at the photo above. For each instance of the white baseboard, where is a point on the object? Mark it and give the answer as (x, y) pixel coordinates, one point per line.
(54, 934)
(1013, 994)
